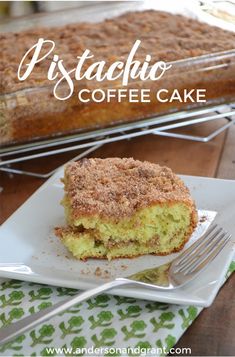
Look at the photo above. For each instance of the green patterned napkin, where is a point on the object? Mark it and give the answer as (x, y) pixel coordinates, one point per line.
(103, 326)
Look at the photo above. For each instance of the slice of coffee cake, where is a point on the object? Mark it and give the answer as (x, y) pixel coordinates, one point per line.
(124, 208)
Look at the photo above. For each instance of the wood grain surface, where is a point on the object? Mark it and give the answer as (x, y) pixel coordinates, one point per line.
(212, 334)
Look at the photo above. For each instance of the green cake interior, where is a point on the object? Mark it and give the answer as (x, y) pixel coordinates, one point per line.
(158, 229)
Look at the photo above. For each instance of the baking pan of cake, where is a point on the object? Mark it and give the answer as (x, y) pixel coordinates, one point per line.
(201, 56)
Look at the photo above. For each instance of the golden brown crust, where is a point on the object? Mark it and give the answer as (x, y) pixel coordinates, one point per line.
(116, 188)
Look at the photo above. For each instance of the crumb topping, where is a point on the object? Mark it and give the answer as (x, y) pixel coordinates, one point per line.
(116, 188)
(165, 36)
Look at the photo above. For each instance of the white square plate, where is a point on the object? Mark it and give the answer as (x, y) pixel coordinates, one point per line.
(30, 251)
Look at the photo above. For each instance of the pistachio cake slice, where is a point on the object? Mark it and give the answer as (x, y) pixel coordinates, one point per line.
(124, 208)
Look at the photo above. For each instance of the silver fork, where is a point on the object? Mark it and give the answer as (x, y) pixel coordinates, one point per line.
(173, 275)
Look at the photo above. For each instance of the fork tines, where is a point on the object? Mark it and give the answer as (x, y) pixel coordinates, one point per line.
(199, 254)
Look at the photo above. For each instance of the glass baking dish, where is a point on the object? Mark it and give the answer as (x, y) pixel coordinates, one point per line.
(36, 110)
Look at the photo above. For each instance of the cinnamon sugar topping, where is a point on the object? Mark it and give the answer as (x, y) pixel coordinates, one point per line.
(115, 188)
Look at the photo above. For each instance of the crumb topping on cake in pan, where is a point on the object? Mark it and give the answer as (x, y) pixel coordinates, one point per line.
(116, 188)
(165, 36)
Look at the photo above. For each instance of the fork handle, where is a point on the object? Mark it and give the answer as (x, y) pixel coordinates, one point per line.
(18, 328)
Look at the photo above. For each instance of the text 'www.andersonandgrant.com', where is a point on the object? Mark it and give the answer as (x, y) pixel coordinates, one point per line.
(122, 351)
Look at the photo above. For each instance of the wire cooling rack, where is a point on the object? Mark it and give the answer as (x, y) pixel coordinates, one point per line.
(88, 142)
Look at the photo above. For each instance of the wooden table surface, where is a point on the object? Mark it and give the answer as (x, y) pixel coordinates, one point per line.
(212, 334)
